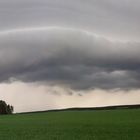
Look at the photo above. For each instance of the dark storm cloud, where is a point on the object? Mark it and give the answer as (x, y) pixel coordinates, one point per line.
(49, 41)
(69, 57)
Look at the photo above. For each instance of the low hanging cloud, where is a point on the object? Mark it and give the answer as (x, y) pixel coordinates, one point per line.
(68, 57)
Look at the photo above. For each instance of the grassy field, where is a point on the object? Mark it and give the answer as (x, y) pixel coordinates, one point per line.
(72, 125)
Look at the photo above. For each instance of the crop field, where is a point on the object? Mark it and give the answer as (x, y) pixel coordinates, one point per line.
(121, 124)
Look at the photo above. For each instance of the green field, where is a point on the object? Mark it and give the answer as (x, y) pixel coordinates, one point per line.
(72, 125)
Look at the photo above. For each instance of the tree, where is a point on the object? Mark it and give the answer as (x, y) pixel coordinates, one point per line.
(5, 109)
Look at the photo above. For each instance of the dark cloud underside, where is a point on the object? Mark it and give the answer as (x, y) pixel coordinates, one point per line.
(72, 58)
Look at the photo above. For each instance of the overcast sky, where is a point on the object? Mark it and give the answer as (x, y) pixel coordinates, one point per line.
(67, 53)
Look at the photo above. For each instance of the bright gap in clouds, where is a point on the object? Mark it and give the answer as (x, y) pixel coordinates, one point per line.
(32, 97)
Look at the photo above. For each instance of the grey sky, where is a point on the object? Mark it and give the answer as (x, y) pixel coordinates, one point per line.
(117, 19)
(80, 45)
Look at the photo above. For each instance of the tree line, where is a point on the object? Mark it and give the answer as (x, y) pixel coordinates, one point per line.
(5, 108)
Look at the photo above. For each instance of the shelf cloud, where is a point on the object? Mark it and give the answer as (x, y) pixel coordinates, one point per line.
(71, 57)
